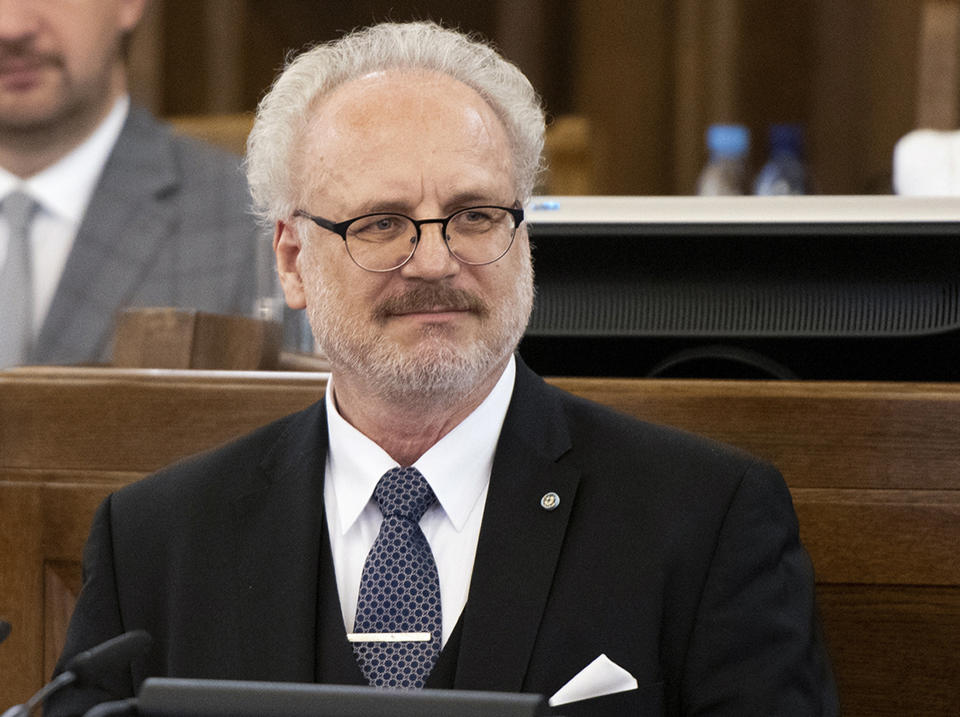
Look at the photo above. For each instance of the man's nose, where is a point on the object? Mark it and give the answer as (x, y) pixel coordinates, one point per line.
(18, 20)
(432, 259)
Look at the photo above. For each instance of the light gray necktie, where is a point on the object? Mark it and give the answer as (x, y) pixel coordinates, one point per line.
(16, 282)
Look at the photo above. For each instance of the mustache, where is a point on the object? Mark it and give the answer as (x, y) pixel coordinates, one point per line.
(428, 298)
(20, 53)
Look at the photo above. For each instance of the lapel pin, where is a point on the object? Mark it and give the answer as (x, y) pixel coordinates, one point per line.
(550, 501)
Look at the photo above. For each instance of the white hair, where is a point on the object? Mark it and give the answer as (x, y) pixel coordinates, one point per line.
(283, 113)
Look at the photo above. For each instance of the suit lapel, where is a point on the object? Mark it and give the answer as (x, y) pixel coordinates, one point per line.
(280, 518)
(520, 541)
(129, 216)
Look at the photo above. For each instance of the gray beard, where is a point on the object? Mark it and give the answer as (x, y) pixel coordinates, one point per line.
(437, 372)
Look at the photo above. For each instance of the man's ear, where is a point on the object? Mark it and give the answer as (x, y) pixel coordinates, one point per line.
(129, 14)
(287, 247)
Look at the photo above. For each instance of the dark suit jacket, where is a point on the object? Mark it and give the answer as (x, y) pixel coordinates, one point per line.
(169, 224)
(676, 557)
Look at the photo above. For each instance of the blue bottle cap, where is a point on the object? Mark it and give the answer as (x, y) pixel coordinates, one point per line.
(728, 139)
(786, 138)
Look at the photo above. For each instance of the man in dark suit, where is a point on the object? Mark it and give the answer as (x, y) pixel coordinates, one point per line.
(443, 518)
(124, 213)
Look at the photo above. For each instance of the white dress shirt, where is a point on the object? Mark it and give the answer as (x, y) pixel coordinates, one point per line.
(457, 468)
(63, 191)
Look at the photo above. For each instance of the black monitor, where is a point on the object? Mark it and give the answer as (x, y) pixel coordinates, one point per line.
(174, 697)
(852, 288)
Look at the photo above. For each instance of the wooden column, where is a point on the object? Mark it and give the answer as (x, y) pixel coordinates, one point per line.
(938, 65)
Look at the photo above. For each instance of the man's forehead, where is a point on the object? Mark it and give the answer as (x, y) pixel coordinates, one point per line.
(393, 102)
(384, 132)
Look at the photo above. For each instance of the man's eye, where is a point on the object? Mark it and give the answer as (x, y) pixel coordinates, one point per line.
(379, 225)
(475, 215)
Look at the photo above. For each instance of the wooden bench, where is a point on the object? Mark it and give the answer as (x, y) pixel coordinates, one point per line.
(874, 469)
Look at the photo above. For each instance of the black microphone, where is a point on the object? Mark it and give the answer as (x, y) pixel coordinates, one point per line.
(87, 667)
(108, 657)
(4, 630)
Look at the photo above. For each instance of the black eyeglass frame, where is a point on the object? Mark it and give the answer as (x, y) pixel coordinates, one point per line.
(340, 228)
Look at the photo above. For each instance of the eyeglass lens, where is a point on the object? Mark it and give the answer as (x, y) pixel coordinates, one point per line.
(479, 235)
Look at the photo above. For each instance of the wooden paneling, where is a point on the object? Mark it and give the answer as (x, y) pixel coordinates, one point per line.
(61, 586)
(820, 434)
(46, 415)
(873, 469)
(649, 77)
(21, 588)
(656, 78)
(938, 65)
(164, 337)
(889, 537)
(620, 84)
(864, 59)
(894, 648)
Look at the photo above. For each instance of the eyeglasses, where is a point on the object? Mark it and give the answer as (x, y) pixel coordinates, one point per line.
(386, 241)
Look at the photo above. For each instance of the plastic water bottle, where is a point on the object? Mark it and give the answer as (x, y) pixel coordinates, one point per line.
(726, 170)
(785, 171)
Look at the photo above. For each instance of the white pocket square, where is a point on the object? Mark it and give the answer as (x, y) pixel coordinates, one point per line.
(601, 677)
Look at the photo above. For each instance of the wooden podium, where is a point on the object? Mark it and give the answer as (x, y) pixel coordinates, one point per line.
(874, 469)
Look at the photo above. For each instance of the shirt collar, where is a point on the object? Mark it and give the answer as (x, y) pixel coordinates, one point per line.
(65, 187)
(457, 467)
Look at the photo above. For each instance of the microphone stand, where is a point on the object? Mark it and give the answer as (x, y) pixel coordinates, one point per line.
(85, 668)
(62, 680)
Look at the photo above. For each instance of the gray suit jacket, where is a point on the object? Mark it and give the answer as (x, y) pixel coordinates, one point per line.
(168, 225)
(676, 557)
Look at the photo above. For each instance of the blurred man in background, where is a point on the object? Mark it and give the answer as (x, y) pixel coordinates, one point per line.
(101, 206)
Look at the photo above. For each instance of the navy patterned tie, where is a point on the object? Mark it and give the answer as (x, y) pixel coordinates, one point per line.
(399, 589)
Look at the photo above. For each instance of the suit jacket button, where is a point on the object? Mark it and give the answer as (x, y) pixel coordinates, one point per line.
(550, 501)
